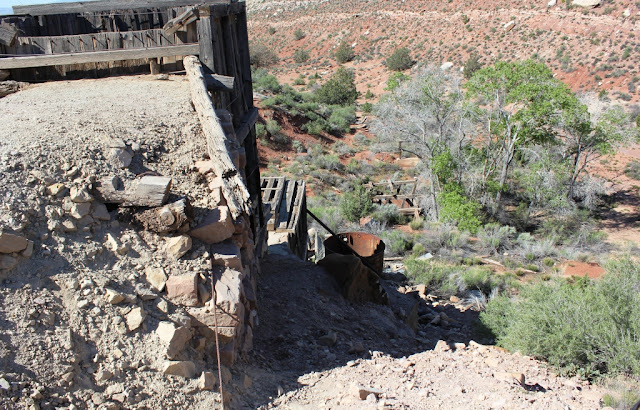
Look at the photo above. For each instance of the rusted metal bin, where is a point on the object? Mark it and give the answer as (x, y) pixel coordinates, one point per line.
(369, 247)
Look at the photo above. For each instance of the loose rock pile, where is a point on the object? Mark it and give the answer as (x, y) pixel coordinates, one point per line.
(108, 305)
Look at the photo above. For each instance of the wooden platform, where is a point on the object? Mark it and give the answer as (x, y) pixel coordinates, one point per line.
(288, 203)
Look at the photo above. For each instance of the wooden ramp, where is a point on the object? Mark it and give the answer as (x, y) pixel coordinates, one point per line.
(288, 203)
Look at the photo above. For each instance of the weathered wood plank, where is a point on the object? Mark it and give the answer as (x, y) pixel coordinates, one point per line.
(8, 34)
(205, 39)
(247, 123)
(97, 56)
(216, 82)
(233, 188)
(181, 22)
(108, 5)
(149, 191)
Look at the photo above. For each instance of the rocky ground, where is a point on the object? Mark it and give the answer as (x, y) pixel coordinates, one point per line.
(87, 324)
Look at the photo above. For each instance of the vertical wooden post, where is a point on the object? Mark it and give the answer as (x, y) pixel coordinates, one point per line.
(205, 38)
(399, 149)
(154, 66)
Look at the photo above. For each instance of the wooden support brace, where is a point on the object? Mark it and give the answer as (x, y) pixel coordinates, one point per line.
(216, 82)
(233, 188)
(8, 33)
(181, 22)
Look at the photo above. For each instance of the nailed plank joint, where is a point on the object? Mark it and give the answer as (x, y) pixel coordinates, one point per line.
(233, 188)
(149, 191)
(46, 60)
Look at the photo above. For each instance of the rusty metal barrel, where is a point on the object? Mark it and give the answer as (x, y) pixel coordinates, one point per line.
(369, 247)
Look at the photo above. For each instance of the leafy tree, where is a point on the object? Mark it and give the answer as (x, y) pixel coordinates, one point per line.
(344, 53)
(522, 102)
(429, 116)
(340, 89)
(400, 60)
(585, 142)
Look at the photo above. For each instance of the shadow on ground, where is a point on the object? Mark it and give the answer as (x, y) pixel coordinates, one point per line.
(306, 326)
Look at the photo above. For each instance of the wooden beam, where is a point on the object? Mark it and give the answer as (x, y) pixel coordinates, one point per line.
(46, 60)
(205, 39)
(181, 22)
(108, 5)
(233, 188)
(249, 120)
(216, 82)
(8, 33)
(149, 191)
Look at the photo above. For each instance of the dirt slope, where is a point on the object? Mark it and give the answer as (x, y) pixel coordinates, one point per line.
(590, 49)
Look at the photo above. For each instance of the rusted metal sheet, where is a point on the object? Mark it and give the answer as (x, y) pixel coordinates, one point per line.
(369, 247)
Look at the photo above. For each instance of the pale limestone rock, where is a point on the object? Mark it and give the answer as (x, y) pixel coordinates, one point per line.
(156, 277)
(120, 157)
(80, 210)
(176, 338)
(100, 212)
(183, 289)
(135, 318)
(227, 255)
(113, 296)
(177, 246)
(80, 194)
(207, 381)
(185, 369)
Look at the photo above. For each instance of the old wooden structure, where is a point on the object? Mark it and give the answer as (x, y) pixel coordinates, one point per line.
(287, 205)
(106, 37)
(402, 194)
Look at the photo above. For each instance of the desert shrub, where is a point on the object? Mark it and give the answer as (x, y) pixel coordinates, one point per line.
(299, 34)
(395, 79)
(586, 328)
(471, 66)
(328, 162)
(495, 237)
(416, 224)
(299, 80)
(344, 53)
(263, 81)
(328, 214)
(361, 140)
(439, 278)
(340, 89)
(388, 214)
(281, 139)
(300, 56)
(447, 236)
(367, 107)
(356, 204)
(273, 127)
(397, 242)
(341, 148)
(632, 170)
(271, 30)
(298, 146)
(400, 60)
(261, 131)
(261, 56)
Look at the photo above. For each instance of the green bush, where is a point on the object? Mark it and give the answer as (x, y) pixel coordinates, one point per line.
(583, 328)
(273, 127)
(439, 278)
(397, 242)
(341, 119)
(400, 60)
(471, 66)
(356, 204)
(495, 237)
(367, 107)
(455, 207)
(395, 79)
(416, 224)
(344, 53)
(388, 214)
(340, 89)
(261, 131)
(300, 56)
(299, 34)
(263, 81)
